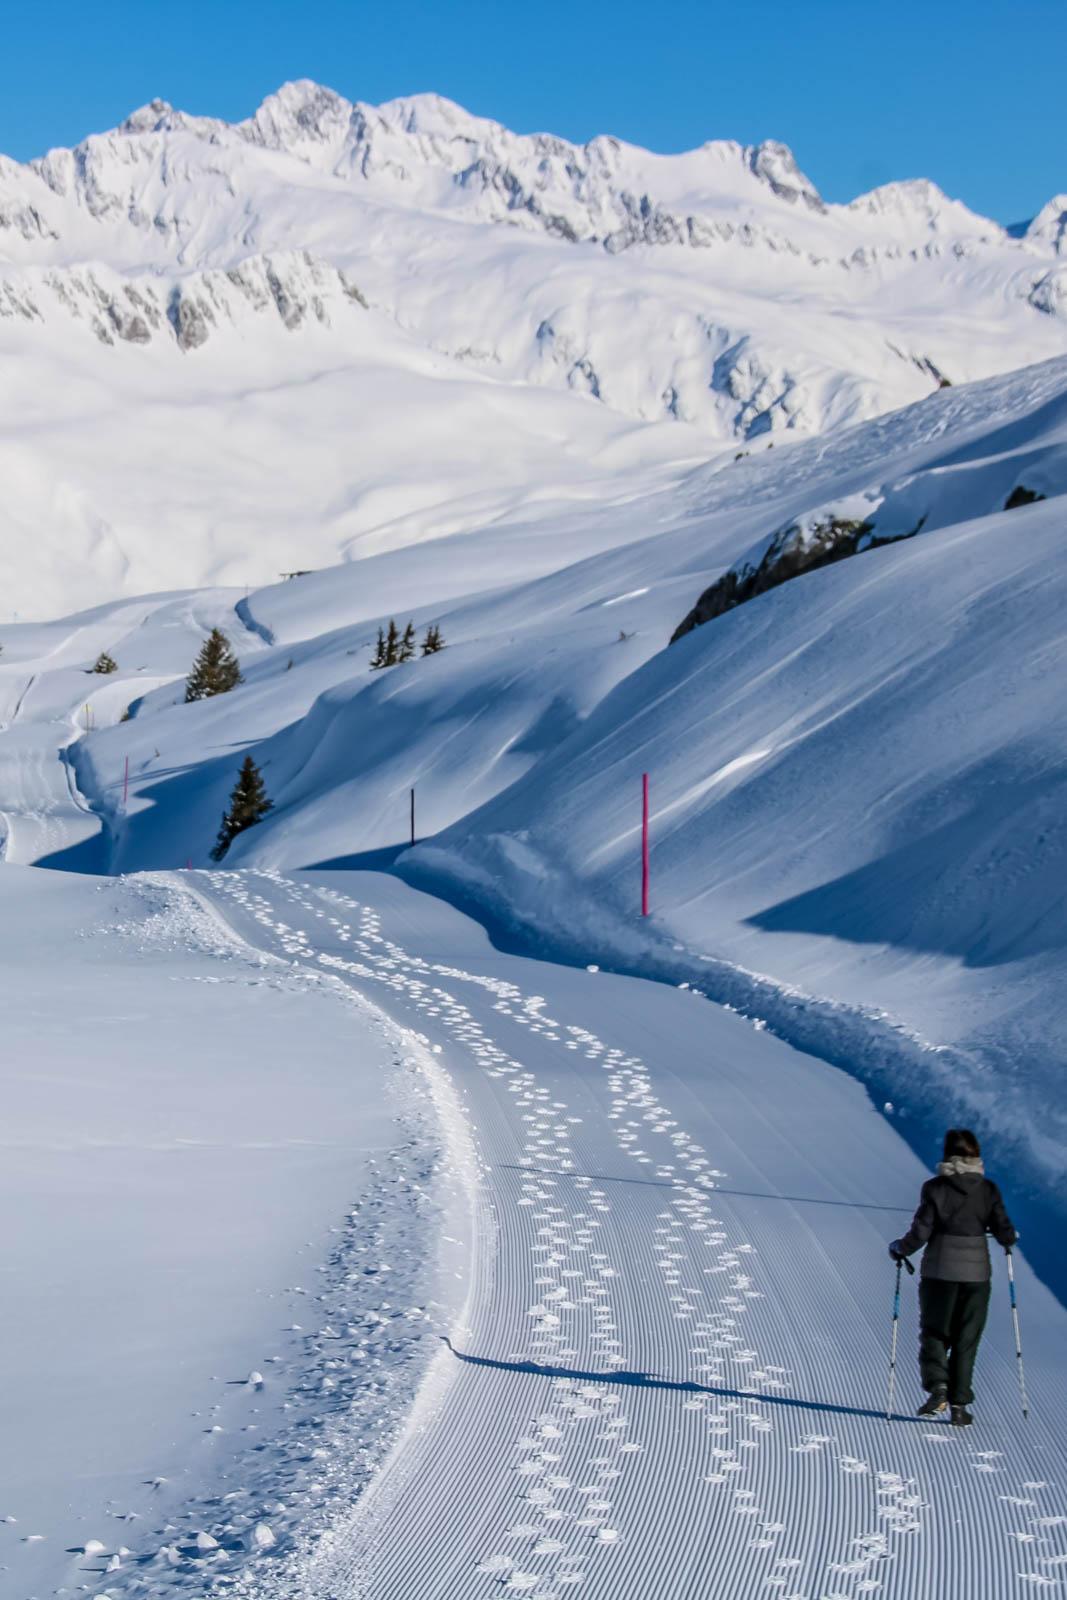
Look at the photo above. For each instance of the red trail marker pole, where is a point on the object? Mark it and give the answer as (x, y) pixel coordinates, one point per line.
(644, 844)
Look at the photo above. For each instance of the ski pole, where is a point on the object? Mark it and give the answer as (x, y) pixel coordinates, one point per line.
(1018, 1336)
(901, 1263)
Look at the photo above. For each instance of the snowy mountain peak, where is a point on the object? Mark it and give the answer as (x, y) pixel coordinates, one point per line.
(297, 114)
(1049, 227)
(436, 115)
(150, 118)
(921, 200)
(776, 166)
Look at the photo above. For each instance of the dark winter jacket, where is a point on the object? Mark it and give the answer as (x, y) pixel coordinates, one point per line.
(957, 1209)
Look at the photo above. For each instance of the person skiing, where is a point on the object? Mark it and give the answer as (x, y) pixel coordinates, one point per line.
(957, 1209)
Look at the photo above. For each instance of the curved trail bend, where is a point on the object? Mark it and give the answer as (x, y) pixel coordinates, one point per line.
(671, 1378)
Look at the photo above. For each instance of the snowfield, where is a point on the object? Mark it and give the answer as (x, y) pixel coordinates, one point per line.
(199, 1146)
(462, 1233)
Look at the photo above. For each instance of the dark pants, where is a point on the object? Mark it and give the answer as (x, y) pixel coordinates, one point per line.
(951, 1318)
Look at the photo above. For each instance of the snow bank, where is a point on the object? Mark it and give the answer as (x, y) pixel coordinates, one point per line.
(185, 1122)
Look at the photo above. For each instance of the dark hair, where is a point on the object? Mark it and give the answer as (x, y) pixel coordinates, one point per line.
(961, 1142)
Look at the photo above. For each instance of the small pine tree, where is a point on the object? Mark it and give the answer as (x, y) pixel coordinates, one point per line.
(406, 651)
(216, 670)
(392, 645)
(105, 664)
(378, 659)
(248, 805)
(433, 640)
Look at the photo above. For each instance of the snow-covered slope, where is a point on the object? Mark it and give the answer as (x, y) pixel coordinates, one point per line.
(855, 777)
(234, 350)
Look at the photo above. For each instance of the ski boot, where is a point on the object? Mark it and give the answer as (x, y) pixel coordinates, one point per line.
(935, 1402)
(961, 1417)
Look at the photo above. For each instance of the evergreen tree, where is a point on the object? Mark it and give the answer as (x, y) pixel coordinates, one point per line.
(215, 671)
(248, 804)
(378, 660)
(406, 651)
(105, 663)
(433, 640)
(392, 644)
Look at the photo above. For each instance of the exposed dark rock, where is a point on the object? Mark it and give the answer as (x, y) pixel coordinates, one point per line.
(1021, 496)
(792, 552)
(188, 321)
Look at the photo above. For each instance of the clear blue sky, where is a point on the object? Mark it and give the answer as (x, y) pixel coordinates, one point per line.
(968, 92)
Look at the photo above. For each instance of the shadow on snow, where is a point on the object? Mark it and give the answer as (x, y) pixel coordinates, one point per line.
(650, 1380)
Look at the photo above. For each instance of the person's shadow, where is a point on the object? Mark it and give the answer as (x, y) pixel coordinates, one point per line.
(649, 1380)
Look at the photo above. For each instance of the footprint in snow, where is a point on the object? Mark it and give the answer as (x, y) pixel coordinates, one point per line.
(495, 1566)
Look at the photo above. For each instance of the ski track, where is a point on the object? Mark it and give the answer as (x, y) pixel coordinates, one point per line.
(639, 1399)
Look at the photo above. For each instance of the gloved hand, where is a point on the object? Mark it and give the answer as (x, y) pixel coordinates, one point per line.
(895, 1252)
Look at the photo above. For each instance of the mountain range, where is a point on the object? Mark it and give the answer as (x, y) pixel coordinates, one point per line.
(334, 329)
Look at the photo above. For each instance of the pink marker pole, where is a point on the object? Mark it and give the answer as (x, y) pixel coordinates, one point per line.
(126, 784)
(644, 844)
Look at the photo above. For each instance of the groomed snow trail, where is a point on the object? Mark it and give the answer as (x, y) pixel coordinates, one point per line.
(672, 1373)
